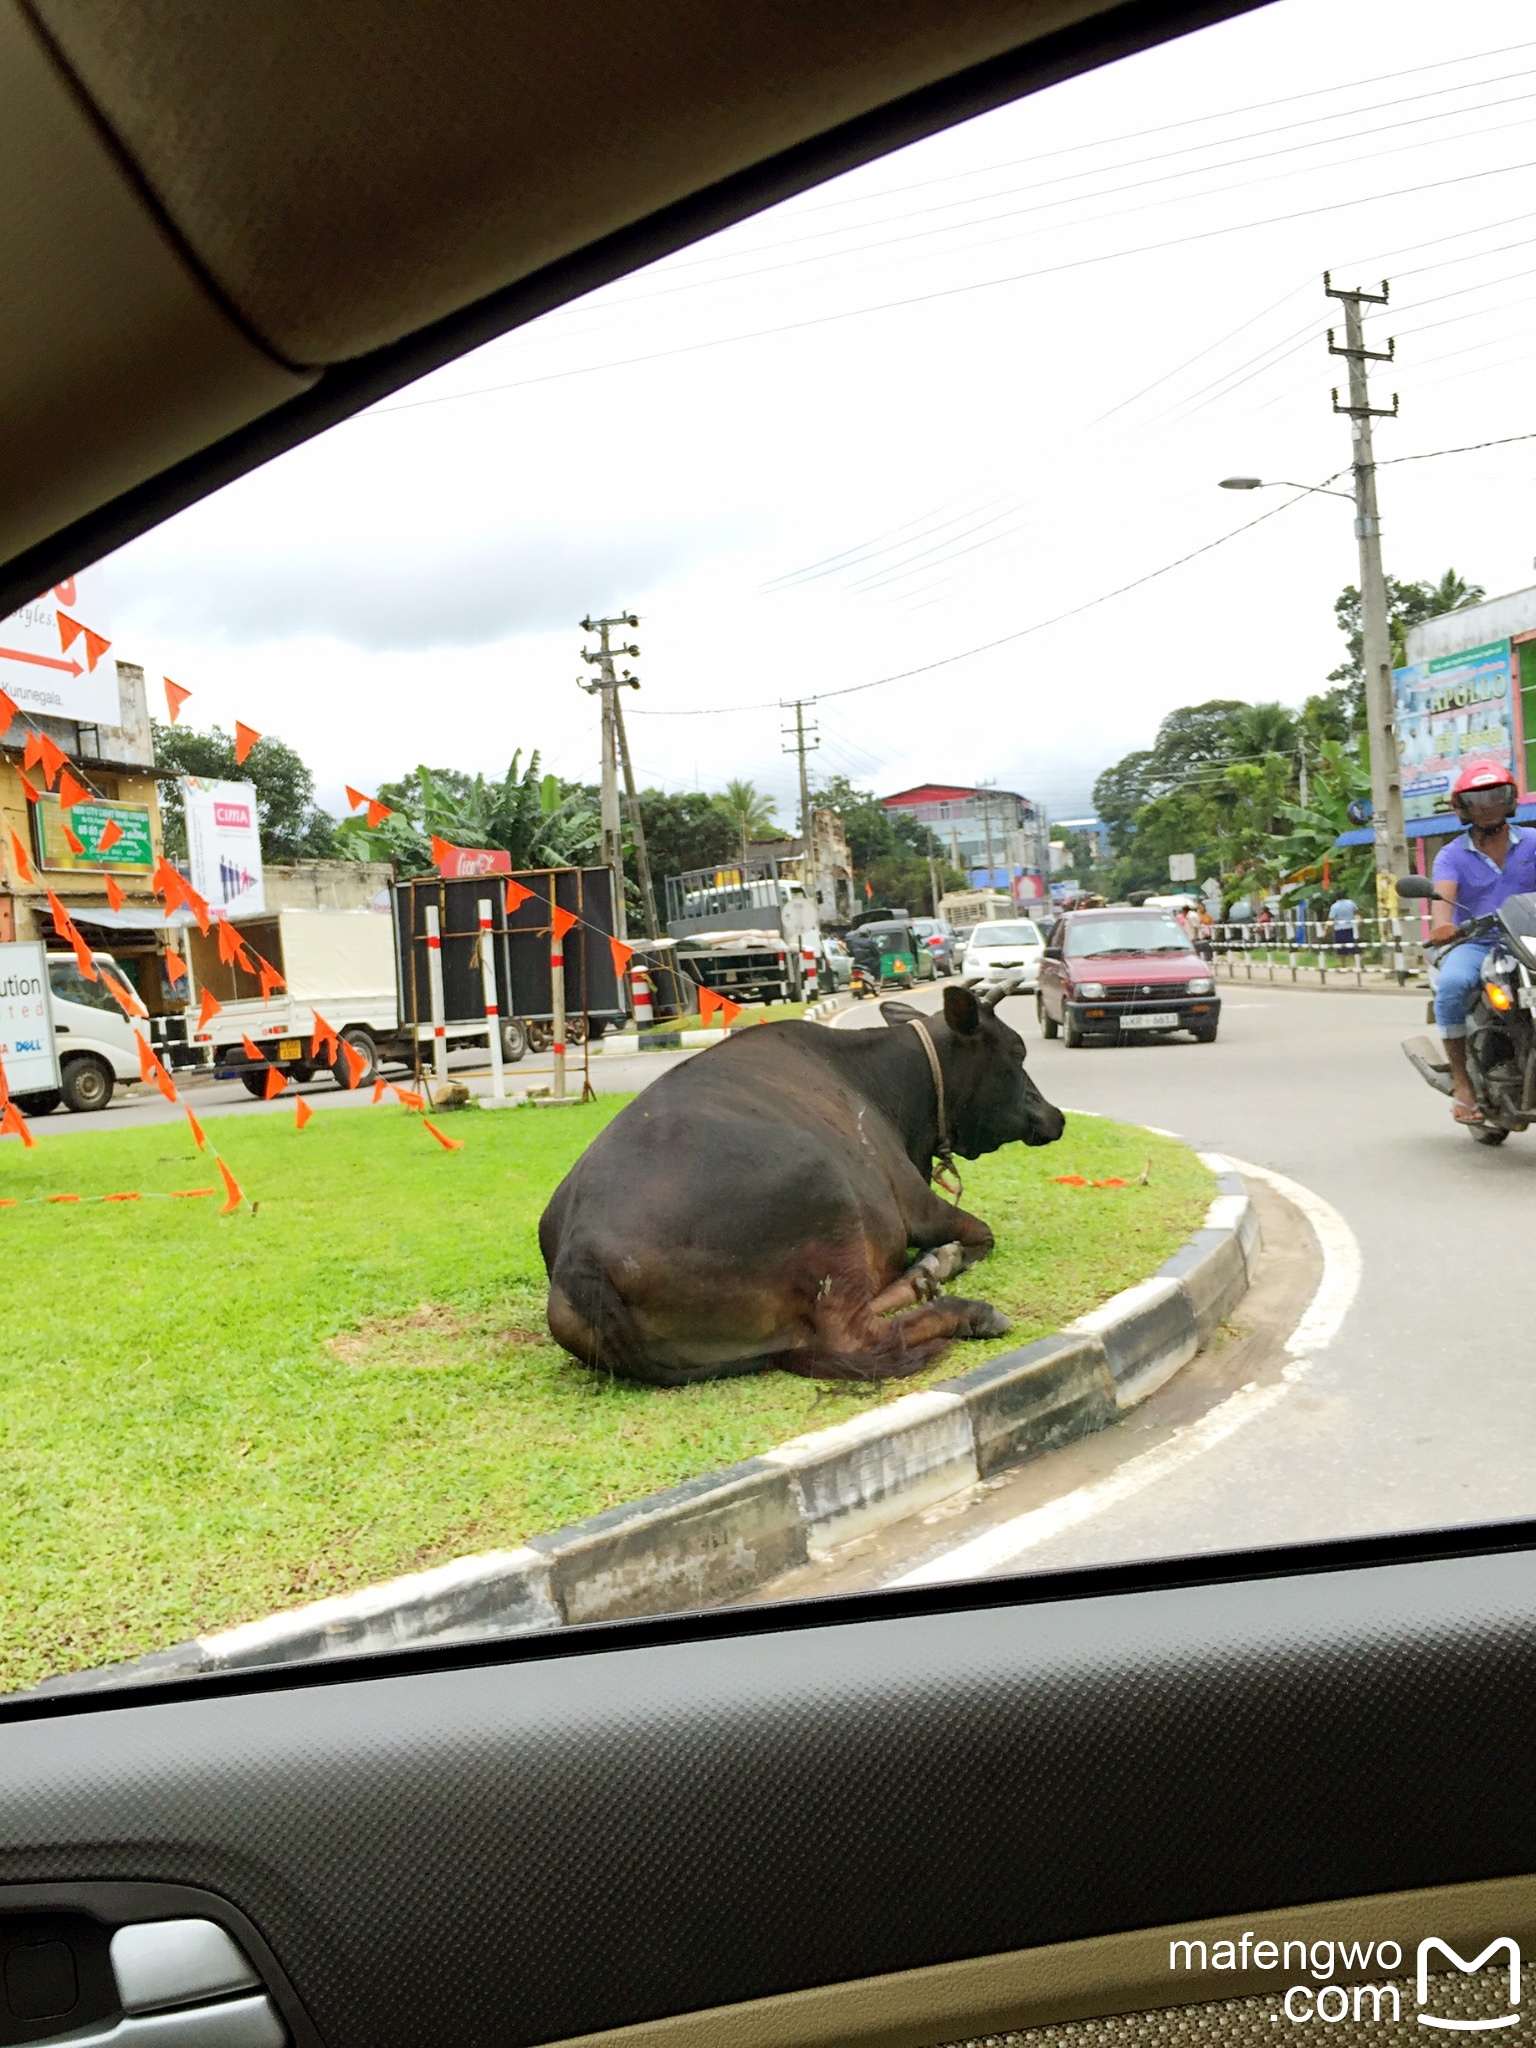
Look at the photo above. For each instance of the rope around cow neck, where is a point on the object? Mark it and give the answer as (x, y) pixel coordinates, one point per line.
(948, 1174)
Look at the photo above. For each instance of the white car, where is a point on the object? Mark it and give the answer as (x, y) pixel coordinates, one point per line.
(1009, 953)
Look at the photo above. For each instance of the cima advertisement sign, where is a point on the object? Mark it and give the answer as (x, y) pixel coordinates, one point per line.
(224, 845)
(1449, 710)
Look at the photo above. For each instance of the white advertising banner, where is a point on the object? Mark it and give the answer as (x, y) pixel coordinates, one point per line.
(54, 655)
(27, 1045)
(224, 845)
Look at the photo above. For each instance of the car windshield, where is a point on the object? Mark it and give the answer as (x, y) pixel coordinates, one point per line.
(482, 1179)
(1099, 937)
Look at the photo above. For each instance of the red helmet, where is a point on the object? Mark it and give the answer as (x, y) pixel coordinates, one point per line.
(1483, 775)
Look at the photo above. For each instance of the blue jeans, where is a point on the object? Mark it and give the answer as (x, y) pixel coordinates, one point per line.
(1460, 972)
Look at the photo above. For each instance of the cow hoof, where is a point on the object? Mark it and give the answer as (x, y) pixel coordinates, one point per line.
(929, 1273)
(987, 1321)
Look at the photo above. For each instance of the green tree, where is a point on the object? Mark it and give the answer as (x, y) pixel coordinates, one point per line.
(293, 827)
(538, 820)
(1408, 605)
(750, 813)
(1195, 746)
(684, 831)
(1307, 844)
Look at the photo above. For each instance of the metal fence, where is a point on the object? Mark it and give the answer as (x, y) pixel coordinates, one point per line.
(1290, 948)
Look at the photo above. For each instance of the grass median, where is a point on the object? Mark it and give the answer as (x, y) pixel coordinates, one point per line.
(207, 1418)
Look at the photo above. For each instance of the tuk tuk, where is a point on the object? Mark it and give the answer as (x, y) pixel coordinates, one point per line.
(900, 954)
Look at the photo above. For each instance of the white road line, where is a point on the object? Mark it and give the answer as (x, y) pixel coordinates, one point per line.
(1005, 1545)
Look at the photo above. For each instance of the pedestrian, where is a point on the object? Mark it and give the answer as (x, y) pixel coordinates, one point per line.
(1343, 917)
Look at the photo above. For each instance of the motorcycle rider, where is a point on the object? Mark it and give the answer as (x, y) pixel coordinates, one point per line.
(1490, 862)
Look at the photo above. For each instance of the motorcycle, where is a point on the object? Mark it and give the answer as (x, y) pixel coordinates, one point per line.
(1501, 1019)
(863, 983)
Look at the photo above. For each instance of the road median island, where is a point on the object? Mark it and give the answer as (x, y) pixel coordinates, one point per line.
(343, 1414)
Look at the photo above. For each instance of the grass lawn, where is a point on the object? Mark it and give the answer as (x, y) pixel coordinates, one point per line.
(751, 1013)
(206, 1418)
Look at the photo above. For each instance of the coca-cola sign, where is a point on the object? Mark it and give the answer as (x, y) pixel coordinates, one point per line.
(467, 862)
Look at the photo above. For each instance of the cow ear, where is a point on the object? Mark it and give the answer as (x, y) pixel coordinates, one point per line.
(962, 1012)
(899, 1013)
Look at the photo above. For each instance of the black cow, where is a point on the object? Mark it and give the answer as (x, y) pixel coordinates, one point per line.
(754, 1207)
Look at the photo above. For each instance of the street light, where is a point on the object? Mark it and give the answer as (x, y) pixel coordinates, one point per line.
(1254, 483)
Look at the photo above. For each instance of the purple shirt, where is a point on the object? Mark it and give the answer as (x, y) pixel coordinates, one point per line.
(1481, 885)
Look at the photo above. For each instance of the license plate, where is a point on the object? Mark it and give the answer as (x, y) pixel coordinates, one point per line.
(1157, 1020)
(290, 1049)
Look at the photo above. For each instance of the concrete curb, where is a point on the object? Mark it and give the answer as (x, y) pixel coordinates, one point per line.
(719, 1537)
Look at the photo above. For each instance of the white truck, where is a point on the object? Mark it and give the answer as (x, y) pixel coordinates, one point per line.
(93, 1039)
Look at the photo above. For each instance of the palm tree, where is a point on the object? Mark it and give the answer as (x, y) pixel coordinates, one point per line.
(749, 811)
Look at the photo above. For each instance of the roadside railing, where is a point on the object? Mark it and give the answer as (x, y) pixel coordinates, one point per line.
(1295, 949)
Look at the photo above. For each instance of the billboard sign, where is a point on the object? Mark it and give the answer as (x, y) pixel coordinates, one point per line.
(1450, 710)
(54, 657)
(26, 1018)
(131, 852)
(224, 845)
(464, 863)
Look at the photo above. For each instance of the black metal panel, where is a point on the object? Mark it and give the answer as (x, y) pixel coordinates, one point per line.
(513, 1844)
(520, 940)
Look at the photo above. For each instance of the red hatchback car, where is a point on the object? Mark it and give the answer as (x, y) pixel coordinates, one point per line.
(1132, 972)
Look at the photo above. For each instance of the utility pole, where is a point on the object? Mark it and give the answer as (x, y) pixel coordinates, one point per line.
(804, 743)
(1376, 650)
(636, 822)
(986, 815)
(607, 683)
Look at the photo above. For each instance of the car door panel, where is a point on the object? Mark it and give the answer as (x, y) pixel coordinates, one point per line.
(642, 1822)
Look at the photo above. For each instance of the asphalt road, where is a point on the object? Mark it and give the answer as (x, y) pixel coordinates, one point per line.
(1422, 1411)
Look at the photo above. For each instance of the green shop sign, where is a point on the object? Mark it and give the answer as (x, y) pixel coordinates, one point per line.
(131, 849)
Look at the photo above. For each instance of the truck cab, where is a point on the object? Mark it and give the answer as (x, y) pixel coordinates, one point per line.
(95, 1040)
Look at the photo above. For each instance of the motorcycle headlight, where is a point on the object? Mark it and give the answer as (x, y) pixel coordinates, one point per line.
(1499, 997)
(1090, 991)
(1201, 986)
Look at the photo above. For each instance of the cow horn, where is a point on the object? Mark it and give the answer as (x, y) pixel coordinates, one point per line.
(990, 998)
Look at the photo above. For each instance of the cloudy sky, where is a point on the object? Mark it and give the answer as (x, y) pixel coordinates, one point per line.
(956, 399)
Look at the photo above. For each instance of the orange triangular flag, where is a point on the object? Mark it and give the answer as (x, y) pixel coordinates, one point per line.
(14, 1122)
(32, 752)
(198, 905)
(208, 1008)
(562, 920)
(442, 848)
(123, 995)
(111, 832)
(622, 955)
(95, 648)
(516, 894)
(5, 1086)
(324, 1036)
(709, 1002)
(409, 1097)
(277, 1081)
(122, 1198)
(355, 797)
(190, 1194)
(10, 711)
(377, 813)
(175, 697)
(60, 916)
(269, 978)
(729, 1011)
(246, 737)
(448, 1144)
(69, 632)
(231, 1190)
(53, 758)
(175, 966)
(83, 959)
(31, 794)
(147, 1060)
(165, 1084)
(75, 845)
(301, 1114)
(167, 884)
(115, 897)
(229, 942)
(71, 792)
(252, 1052)
(199, 1136)
(19, 856)
(357, 1063)
(379, 1086)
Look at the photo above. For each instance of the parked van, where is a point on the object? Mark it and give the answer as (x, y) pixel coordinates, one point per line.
(95, 1040)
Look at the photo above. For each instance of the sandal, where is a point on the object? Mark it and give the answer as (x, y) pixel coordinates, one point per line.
(1467, 1113)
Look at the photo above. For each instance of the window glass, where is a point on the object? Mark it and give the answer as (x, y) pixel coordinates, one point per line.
(970, 544)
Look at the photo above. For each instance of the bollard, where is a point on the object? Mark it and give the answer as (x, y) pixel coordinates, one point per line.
(808, 982)
(435, 988)
(556, 1001)
(492, 1008)
(640, 997)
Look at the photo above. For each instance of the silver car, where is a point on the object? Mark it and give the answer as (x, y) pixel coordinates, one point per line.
(1008, 953)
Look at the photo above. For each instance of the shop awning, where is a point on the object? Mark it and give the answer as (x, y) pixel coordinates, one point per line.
(131, 920)
(1429, 828)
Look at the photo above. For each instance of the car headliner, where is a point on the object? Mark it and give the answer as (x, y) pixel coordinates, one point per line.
(214, 244)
